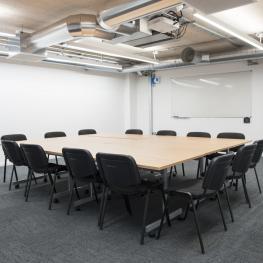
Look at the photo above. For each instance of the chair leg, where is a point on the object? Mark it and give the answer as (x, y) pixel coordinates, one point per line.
(259, 187)
(245, 191)
(104, 208)
(52, 192)
(127, 204)
(228, 203)
(76, 191)
(236, 186)
(71, 191)
(95, 192)
(182, 218)
(175, 171)
(145, 213)
(221, 211)
(4, 179)
(198, 170)
(17, 185)
(11, 179)
(197, 227)
(183, 169)
(27, 179)
(29, 185)
(162, 219)
(166, 210)
(101, 205)
(35, 179)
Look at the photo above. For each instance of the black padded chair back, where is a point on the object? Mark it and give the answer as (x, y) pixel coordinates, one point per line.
(87, 131)
(55, 134)
(14, 153)
(14, 137)
(134, 131)
(166, 133)
(217, 171)
(80, 163)
(258, 152)
(243, 158)
(232, 135)
(199, 134)
(119, 172)
(36, 157)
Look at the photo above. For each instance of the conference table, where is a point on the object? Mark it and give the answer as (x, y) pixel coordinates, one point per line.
(151, 152)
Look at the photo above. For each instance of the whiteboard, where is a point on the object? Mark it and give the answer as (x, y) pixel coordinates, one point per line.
(212, 96)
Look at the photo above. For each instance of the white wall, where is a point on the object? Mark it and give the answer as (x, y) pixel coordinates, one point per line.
(38, 99)
(162, 103)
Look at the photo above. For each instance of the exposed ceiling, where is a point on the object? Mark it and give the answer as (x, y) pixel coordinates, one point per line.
(129, 33)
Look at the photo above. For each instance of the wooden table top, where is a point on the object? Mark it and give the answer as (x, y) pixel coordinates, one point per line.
(150, 151)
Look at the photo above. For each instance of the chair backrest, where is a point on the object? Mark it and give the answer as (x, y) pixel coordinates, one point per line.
(217, 171)
(87, 131)
(119, 172)
(13, 152)
(258, 152)
(231, 135)
(199, 134)
(134, 131)
(80, 163)
(36, 157)
(55, 134)
(12, 137)
(243, 158)
(166, 133)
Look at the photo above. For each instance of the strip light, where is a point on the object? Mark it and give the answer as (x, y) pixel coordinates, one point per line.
(69, 62)
(248, 40)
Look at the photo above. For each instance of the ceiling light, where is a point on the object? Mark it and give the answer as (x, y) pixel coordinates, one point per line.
(117, 54)
(227, 30)
(69, 61)
(210, 82)
(4, 34)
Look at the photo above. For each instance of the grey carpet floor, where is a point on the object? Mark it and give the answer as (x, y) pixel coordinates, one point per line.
(29, 232)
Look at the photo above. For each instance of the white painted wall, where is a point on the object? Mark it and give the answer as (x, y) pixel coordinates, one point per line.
(38, 99)
(162, 103)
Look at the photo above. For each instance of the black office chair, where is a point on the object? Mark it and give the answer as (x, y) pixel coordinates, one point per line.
(169, 133)
(195, 190)
(38, 163)
(256, 159)
(11, 137)
(241, 163)
(166, 133)
(82, 170)
(87, 132)
(201, 135)
(15, 156)
(120, 175)
(134, 131)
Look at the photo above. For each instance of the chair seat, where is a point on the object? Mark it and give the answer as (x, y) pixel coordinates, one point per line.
(188, 185)
(56, 168)
(152, 177)
(213, 155)
(142, 188)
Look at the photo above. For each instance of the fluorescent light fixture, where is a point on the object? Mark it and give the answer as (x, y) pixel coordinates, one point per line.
(4, 34)
(210, 82)
(118, 54)
(80, 63)
(229, 31)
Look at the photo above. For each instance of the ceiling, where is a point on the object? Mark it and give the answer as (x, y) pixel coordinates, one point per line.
(244, 16)
(36, 14)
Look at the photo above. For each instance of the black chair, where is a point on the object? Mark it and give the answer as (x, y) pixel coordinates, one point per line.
(82, 170)
(134, 131)
(120, 175)
(241, 163)
(169, 133)
(166, 133)
(195, 190)
(15, 156)
(38, 163)
(87, 132)
(55, 134)
(255, 160)
(11, 137)
(201, 135)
